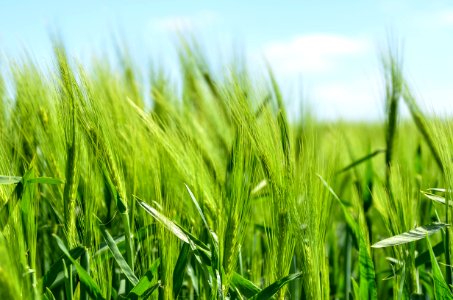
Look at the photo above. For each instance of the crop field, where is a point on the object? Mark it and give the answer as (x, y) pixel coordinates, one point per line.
(209, 191)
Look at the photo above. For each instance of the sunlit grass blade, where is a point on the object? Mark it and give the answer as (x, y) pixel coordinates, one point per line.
(8, 208)
(45, 180)
(411, 236)
(92, 287)
(441, 190)
(147, 284)
(199, 210)
(140, 235)
(167, 223)
(201, 251)
(214, 243)
(367, 273)
(245, 287)
(275, 287)
(361, 160)
(348, 217)
(259, 187)
(441, 289)
(10, 179)
(355, 289)
(125, 268)
(436, 198)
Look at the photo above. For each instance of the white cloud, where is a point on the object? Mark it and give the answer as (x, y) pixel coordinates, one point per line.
(184, 23)
(357, 99)
(313, 52)
(362, 99)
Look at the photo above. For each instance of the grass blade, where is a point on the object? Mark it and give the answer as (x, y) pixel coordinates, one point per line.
(91, 286)
(201, 251)
(180, 269)
(273, 289)
(10, 179)
(441, 289)
(410, 236)
(424, 257)
(355, 289)
(147, 284)
(436, 198)
(214, 242)
(366, 269)
(167, 223)
(125, 268)
(57, 267)
(348, 217)
(45, 180)
(48, 295)
(199, 210)
(244, 286)
(361, 160)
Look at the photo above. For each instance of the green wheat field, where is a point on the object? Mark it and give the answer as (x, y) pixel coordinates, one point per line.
(209, 191)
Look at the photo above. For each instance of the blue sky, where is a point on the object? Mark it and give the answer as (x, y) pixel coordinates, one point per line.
(326, 50)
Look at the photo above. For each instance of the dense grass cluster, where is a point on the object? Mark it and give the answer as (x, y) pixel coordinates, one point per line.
(211, 193)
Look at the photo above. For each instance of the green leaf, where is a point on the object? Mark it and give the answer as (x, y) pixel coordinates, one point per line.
(125, 268)
(410, 236)
(244, 286)
(441, 289)
(140, 235)
(169, 224)
(441, 190)
(180, 269)
(199, 210)
(366, 269)
(273, 289)
(436, 198)
(45, 180)
(57, 267)
(201, 251)
(147, 284)
(214, 242)
(91, 286)
(424, 257)
(402, 280)
(10, 179)
(67, 278)
(104, 249)
(361, 160)
(355, 289)
(49, 295)
(19, 190)
(348, 217)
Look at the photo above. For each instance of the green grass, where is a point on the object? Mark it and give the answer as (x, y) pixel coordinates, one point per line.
(210, 192)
